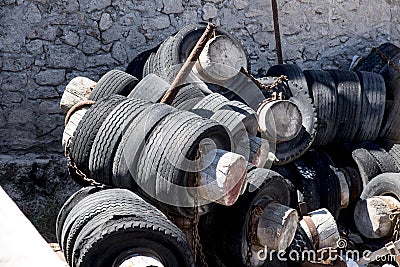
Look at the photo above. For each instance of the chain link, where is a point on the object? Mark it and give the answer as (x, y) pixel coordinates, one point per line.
(197, 247)
(262, 86)
(72, 164)
(252, 232)
(395, 217)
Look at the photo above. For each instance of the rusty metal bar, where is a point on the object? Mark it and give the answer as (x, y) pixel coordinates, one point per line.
(277, 31)
(188, 65)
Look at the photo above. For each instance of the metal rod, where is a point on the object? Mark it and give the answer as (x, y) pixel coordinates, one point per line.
(277, 32)
(188, 65)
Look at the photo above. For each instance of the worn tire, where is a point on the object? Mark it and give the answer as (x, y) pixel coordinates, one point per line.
(383, 158)
(135, 224)
(71, 202)
(133, 140)
(373, 106)
(113, 82)
(229, 225)
(391, 124)
(110, 201)
(163, 160)
(188, 93)
(86, 133)
(374, 63)
(71, 126)
(151, 88)
(348, 106)
(241, 121)
(393, 149)
(130, 233)
(367, 165)
(330, 186)
(109, 136)
(386, 184)
(137, 65)
(298, 93)
(323, 92)
(207, 106)
(310, 184)
(355, 183)
(300, 243)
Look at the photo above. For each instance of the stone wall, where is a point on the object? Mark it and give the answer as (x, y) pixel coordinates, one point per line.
(45, 43)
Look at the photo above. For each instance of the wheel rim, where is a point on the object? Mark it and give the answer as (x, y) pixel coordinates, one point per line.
(138, 258)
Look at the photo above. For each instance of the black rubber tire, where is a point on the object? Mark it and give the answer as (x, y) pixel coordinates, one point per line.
(175, 139)
(373, 106)
(297, 93)
(374, 63)
(348, 105)
(323, 92)
(386, 184)
(190, 34)
(190, 92)
(151, 88)
(114, 225)
(310, 184)
(251, 119)
(383, 158)
(129, 233)
(233, 122)
(228, 225)
(330, 195)
(113, 82)
(86, 133)
(71, 202)
(209, 105)
(391, 123)
(110, 201)
(188, 104)
(355, 183)
(393, 149)
(137, 65)
(175, 50)
(367, 165)
(108, 137)
(300, 243)
(133, 140)
(148, 64)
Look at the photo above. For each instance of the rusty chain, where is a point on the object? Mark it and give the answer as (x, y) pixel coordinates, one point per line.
(71, 163)
(252, 232)
(395, 218)
(262, 86)
(385, 58)
(197, 247)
